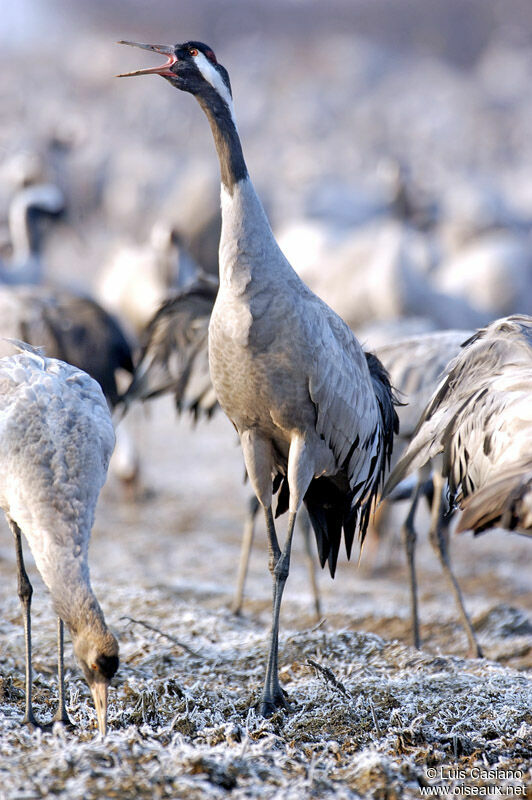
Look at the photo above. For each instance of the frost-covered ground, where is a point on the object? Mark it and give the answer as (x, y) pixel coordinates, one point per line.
(368, 714)
(320, 106)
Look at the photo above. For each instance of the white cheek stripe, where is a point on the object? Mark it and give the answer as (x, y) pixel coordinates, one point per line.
(212, 75)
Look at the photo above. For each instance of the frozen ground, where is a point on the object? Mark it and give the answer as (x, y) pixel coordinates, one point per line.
(320, 105)
(369, 716)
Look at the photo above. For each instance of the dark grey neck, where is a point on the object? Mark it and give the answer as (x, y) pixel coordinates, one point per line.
(232, 165)
(33, 235)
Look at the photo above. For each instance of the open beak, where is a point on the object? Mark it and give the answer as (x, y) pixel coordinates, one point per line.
(163, 69)
(99, 695)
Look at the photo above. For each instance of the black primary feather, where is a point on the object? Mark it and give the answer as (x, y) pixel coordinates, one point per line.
(329, 500)
(174, 354)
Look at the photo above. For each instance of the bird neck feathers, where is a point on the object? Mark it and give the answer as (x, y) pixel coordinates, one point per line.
(220, 115)
(247, 243)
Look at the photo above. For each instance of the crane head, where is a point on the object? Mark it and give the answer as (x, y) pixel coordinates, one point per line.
(98, 658)
(191, 67)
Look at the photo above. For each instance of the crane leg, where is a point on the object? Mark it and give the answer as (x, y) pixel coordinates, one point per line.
(409, 539)
(279, 563)
(245, 550)
(304, 524)
(25, 591)
(439, 538)
(61, 713)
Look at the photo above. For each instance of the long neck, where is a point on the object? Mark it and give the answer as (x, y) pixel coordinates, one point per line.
(62, 560)
(26, 262)
(220, 115)
(24, 238)
(75, 602)
(247, 243)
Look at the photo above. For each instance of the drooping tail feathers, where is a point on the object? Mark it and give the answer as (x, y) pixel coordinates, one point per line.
(505, 502)
(329, 500)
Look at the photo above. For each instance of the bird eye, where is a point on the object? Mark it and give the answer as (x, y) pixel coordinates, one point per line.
(193, 51)
(94, 667)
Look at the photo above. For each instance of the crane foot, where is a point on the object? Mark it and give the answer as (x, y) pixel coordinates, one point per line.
(272, 702)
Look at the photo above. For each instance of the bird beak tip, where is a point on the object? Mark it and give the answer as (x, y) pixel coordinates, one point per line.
(99, 694)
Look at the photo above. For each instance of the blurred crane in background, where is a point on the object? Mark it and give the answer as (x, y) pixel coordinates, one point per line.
(69, 326)
(27, 209)
(479, 418)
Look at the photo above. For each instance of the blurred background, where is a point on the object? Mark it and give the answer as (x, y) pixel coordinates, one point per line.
(389, 136)
(390, 141)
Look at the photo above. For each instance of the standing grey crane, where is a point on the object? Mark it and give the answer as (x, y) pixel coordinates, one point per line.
(71, 327)
(479, 418)
(56, 439)
(287, 371)
(174, 359)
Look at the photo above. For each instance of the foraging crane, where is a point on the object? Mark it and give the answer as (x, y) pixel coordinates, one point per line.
(480, 419)
(56, 439)
(287, 371)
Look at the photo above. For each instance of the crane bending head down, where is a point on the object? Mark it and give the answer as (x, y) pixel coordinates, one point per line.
(56, 439)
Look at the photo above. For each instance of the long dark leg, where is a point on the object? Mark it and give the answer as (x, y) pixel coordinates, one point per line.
(439, 538)
(273, 696)
(25, 592)
(409, 538)
(245, 550)
(304, 524)
(61, 713)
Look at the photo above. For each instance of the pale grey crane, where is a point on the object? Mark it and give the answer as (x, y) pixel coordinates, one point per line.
(174, 360)
(56, 439)
(480, 419)
(286, 369)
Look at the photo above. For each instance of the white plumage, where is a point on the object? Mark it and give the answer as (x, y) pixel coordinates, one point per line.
(56, 439)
